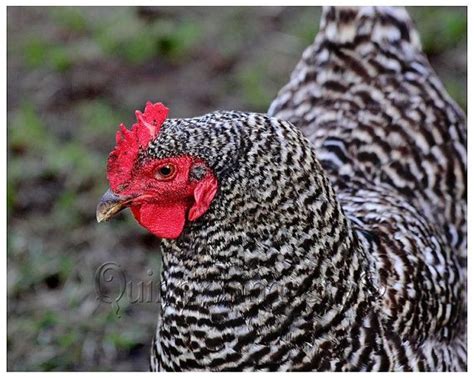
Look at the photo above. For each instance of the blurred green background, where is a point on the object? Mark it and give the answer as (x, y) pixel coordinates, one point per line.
(73, 75)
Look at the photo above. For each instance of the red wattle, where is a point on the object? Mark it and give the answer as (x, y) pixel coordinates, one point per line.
(163, 221)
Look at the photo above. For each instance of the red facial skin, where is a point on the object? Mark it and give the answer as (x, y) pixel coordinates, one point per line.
(160, 204)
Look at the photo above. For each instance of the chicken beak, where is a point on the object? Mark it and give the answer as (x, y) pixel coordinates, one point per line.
(110, 204)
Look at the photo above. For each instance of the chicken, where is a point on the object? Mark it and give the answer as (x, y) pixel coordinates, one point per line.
(329, 234)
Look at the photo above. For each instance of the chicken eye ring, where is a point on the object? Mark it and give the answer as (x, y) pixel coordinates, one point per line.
(166, 172)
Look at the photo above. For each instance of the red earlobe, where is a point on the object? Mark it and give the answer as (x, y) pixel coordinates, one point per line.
(203, 195)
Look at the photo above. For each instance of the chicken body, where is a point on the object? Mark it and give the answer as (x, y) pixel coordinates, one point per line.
(393, 145)
(337, 237)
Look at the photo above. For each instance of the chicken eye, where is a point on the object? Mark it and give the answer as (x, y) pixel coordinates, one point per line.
(166, 172)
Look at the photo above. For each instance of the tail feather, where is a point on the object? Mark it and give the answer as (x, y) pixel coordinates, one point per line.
(380, 24)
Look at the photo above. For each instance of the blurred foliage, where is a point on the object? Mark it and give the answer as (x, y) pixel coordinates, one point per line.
(443, 29)
(75, 73)
(70, 18)
(443, 32)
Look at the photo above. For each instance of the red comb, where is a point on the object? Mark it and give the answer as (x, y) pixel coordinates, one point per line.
(129, 142)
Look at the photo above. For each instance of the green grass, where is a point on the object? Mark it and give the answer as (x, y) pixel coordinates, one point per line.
(39, 53)
(70, 18)
(132, 43)
(141, 41)
(26, 130)
(441, 28)
(252, 81)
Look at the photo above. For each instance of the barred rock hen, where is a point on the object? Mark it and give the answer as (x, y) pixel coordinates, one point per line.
(344, 249)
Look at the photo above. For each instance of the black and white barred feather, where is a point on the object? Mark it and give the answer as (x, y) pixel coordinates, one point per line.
(337, 239)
